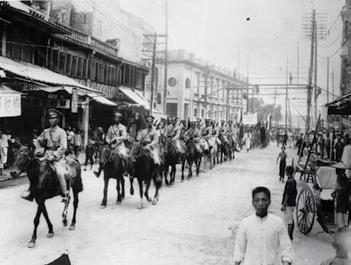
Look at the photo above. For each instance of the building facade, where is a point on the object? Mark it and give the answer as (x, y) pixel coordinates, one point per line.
(39, 38)
(345, 84)
(196, 89)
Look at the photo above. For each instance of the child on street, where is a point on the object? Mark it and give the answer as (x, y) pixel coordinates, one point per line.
(282, 155)
(289, 200)
(89, 154)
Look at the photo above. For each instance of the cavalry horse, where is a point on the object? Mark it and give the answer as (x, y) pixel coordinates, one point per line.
(171, 158)
(194, 155)
(44, 185)
(145, 170)
(113, 168)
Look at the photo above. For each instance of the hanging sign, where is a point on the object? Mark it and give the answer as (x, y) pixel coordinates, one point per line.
(10, 105)
(74, 102)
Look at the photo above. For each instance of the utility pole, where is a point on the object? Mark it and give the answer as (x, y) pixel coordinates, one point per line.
(333, 84)
(315, 78)
(153, 72)
(298, 63)
(166, 61)
(328, 80)
(309, 86)
(286, 93)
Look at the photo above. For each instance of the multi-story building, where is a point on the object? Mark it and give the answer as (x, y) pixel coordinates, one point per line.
(196, 89)
(45, 56)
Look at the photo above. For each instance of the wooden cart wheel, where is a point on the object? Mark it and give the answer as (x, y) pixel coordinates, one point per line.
(305, 210)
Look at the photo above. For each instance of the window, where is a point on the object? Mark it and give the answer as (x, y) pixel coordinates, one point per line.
(99, 28)
(195, 112)
(172, 82)
(187, 83)
(202, 113)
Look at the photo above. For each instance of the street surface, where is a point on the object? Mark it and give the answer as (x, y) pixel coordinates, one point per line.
(195, 222)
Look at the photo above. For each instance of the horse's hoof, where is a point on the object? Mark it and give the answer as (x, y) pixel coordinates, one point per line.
(72, 227)
(102, 206)
(64, 223)
(140, 206)
(182, 180)
(154, 202)
(31, 244)
(50, 235)
(118, 202)
(149, 200)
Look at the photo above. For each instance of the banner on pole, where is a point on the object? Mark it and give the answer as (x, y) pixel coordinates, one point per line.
(74, 103)
(250, 119)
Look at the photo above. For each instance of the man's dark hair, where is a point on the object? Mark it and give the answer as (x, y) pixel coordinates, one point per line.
(261, 189)
(289, 170)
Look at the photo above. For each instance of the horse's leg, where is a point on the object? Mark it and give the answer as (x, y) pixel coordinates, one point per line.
(123, 189)
(31, 243)
(75, 207)
(173, 173)
(166, 168)
(148, 183)
(141, 203)
(118, 188)
(45, 213)
(104, 199)
(183, 166)
(158, 184)
(190, 162)
(198, 164)
(131, 190)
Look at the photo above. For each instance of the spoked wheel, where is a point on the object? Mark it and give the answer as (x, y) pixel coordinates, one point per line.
(305, 211)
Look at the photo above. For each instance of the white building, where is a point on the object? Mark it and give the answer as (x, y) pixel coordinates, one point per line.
(188, 78)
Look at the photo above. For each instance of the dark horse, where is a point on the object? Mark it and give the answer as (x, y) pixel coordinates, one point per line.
(145, 170)
(113, 168)
(194, 155)
(224, 149)
(44, 185)
(171, 158)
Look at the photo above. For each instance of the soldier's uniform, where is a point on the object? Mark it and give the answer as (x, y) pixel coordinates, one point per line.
(149, 138)
(115, 137)
(193, 134)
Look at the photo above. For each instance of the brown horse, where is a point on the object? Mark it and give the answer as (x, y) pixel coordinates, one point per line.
(145, 170)
(44, 185)
(113, 168)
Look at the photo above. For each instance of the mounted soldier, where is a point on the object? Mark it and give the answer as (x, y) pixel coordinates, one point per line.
(149, 139)
(52, 144)
(177, 138)
(115, 137)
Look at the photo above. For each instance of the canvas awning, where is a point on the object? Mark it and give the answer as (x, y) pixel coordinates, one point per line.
(36, 73)
(10, 102)
(135, 96)
(102, 100)
(340, 106)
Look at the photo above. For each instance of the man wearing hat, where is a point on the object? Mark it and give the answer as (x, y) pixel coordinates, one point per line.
(149, 138)
(193, 135)
(178, 133)
(54, 142)
(170, 128)
(115, 137)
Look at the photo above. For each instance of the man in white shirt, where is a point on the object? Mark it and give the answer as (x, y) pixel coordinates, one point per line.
(262, 236)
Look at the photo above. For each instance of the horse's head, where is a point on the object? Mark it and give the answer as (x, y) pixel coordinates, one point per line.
(24, 156)
(105, 154)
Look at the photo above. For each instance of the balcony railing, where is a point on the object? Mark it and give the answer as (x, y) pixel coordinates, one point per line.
(87, 39)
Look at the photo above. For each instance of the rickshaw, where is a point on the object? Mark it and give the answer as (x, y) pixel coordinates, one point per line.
(315, 200)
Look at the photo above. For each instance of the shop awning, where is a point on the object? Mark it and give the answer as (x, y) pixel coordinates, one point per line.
(340, 106)
(102, 100)
(135, 96)
(36, 73)
(10, 102)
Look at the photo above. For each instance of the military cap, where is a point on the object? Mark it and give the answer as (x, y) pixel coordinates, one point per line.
(193, 122)
(118, 114)
(174, 118)
(54, 113)
(149, 118)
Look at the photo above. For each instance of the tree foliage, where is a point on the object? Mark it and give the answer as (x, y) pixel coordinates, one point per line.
(263, 110)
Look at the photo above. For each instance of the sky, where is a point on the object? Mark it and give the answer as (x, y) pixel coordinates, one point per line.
(258, 38)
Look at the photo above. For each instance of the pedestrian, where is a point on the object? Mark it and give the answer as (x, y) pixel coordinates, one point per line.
(285, 138)
(339, 148)
(89, 154)
(262, 236)
(247, 140)
(341, 243)
(282, 164)
(341, 195)
(289, 200)
(5, 137)
(77, 142)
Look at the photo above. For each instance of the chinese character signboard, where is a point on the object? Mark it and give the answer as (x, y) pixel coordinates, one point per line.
(10, 102)
(74, 103)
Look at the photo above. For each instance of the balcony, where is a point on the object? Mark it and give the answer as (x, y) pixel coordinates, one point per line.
(93, 43)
